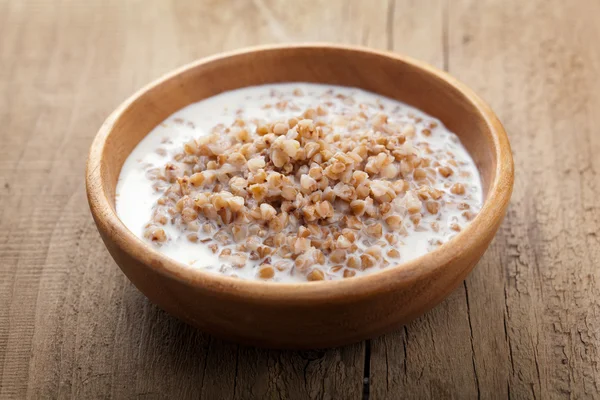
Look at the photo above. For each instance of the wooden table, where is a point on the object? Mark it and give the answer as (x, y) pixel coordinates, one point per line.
(525, 324)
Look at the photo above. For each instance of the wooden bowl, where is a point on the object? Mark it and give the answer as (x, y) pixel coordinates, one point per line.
(313, 314)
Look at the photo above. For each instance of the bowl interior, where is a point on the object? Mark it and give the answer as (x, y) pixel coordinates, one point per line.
(406, 81)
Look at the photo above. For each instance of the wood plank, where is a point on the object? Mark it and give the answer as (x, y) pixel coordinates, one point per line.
(536, 66)
(532, 302)
(431, 357)
(71, 325)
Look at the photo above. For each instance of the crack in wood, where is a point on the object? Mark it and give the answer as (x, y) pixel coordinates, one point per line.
(446, 35)
(391, 9)
(367, 371)
(472, 344)
(404, 344)
(235, 377)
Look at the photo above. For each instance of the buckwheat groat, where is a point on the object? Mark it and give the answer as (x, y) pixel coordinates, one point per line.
(298, 182)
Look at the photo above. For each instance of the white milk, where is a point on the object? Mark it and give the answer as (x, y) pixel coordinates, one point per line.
(136, 195)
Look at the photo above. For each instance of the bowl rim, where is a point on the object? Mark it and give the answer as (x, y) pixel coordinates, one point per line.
(337, 291)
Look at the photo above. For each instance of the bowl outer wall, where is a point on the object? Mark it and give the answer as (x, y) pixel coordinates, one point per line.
(308, 314)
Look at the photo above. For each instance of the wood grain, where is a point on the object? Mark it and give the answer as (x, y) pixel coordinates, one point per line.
(526, 323)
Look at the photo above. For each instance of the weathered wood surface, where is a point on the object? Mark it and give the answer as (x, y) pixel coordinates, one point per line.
(525, 324)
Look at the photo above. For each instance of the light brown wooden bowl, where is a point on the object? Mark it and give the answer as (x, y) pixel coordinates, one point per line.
(314, 314)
